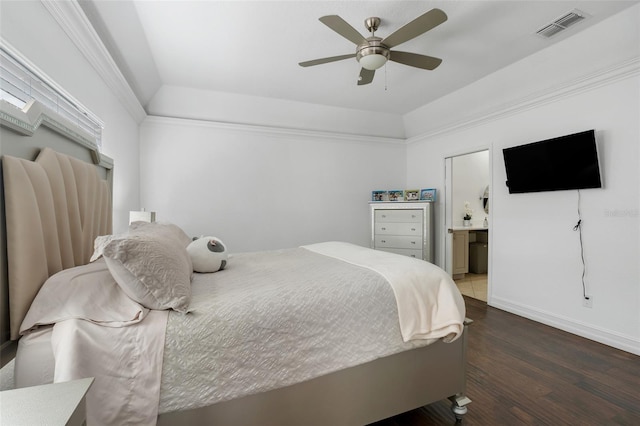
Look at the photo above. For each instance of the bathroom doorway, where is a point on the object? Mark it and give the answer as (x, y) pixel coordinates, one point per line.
(467, 222)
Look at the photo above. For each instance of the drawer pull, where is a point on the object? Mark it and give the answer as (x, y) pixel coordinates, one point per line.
(413, 242)
(413, 255)
(383, 241)
(413, 229)
(384, 229)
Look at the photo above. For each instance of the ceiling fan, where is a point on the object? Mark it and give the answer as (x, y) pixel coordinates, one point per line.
(373, 52)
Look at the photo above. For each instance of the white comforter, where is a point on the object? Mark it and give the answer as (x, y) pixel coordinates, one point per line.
(126, 356)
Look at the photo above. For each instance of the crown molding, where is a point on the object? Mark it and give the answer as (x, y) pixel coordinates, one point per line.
(280, 132)
(602, 77)
(71, 18)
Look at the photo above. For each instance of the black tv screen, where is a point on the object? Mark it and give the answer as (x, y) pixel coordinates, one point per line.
(566, 162)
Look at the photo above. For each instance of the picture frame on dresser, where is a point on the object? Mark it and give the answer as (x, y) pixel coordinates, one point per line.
(411, 194)
(428, 194)
(379, 196)
(396, 195)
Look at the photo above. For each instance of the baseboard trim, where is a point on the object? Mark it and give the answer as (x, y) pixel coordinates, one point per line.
(597, 334)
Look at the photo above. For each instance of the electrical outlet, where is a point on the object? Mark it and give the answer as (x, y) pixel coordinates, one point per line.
(587, 302)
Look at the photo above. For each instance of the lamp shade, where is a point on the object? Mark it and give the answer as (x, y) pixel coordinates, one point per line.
(141, 216)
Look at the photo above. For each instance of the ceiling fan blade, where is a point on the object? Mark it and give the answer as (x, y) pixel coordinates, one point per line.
(415, 60)
(326, 60)
(366, 76)
(418, 26)
(341, 26)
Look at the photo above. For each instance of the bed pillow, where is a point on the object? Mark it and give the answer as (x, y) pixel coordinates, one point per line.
(162, 228)
(151, 265)
(99, 244)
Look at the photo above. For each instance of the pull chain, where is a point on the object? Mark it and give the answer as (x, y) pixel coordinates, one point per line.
(385, 77)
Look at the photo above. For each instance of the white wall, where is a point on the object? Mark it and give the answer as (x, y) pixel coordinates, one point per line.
(535, 267)
(31, 29)
(260, 188)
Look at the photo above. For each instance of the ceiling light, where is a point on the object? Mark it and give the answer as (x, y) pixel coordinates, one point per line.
(373, 62)
(373, 54)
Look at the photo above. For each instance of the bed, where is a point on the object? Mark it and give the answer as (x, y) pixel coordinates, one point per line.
(44, 239)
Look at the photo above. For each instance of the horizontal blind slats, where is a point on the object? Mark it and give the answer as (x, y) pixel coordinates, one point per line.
(19, 85)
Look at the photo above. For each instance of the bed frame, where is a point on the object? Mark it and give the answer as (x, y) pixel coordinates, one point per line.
(359, 395)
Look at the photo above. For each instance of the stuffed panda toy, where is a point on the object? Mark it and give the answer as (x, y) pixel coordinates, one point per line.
(208, 254)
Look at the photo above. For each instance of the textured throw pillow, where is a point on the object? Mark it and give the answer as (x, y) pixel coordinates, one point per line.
(151, 265)
(162, 228)
(98, 246)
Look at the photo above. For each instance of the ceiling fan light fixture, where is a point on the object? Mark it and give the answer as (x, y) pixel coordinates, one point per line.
(373, 62)
(373, 54)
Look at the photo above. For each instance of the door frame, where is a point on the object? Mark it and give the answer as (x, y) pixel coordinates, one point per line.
(448, 208)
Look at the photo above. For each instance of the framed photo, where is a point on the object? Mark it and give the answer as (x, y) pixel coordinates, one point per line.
(396, 195)
(428, 194)
(379, 196)
(411, 194)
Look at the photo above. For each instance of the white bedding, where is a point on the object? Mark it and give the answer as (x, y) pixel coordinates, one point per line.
(408, 278)
(34, 363)
(126, 363)
(210, 358)
(97, 332)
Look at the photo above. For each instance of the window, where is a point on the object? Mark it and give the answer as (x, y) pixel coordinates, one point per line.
(21, 85)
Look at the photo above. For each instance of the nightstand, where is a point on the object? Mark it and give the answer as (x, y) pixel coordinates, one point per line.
(53, 404)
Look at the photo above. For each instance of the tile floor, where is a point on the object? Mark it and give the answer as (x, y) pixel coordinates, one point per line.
(473, 285)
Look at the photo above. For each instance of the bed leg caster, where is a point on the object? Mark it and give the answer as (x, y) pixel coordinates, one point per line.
(459, 406)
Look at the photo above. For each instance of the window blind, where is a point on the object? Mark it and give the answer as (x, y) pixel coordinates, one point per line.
(19, 85)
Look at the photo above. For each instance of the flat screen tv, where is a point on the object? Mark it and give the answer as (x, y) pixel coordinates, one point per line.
(566, 162)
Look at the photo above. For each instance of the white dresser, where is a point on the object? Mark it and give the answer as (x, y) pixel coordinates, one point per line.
(403, 227)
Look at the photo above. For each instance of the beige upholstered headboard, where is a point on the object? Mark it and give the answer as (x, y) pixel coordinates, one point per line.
(55, 207)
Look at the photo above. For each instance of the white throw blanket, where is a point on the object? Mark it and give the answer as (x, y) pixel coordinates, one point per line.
(429, 305)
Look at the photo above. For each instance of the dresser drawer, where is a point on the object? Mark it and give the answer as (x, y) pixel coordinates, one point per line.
(405, 252)
(405, 228)
(398, 228)
(408, 215)
(398, 241)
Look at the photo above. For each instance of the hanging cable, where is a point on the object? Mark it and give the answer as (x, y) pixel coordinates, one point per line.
(578, 228)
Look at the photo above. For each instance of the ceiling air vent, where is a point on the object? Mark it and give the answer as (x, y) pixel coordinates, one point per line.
(562, 23)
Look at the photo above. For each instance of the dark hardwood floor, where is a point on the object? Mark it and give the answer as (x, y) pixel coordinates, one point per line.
(521, 372)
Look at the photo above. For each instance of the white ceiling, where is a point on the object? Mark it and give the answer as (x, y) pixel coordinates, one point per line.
(253, 47)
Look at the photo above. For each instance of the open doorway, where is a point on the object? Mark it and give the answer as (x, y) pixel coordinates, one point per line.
(467, 222)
